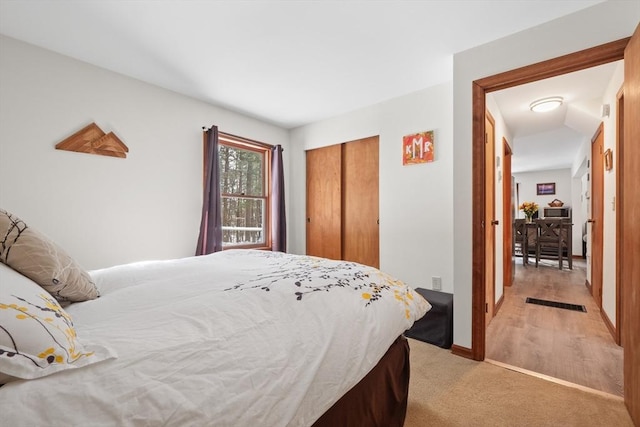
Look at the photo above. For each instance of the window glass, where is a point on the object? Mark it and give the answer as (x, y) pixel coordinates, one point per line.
(243, 189)
(241, 171)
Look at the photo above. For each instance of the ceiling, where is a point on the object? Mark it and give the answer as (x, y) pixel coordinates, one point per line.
(291, 63)
(551, 140)
(284, 62)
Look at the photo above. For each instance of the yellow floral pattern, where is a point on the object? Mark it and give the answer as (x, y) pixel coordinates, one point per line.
(52, 322)
(310, 274)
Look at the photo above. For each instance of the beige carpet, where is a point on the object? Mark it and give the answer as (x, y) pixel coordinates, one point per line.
(448, 390)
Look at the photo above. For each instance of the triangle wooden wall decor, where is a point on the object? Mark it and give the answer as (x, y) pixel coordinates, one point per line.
(92, 140)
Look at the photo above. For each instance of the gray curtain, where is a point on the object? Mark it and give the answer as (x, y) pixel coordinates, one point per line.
(210, 238)
(278, 217)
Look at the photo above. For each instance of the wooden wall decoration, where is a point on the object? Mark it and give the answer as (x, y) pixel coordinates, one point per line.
(92, 140)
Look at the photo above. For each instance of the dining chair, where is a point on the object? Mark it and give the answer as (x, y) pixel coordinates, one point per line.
(521, 240)
(550, 242)
(567, 236)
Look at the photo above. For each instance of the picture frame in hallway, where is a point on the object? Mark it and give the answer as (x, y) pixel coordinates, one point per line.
(608, 159)
(546, 189)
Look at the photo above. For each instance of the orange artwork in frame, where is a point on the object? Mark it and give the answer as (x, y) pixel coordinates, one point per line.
(418, 148)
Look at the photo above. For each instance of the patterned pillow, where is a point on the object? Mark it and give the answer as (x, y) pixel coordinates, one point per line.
(37, 337)
(34, 255)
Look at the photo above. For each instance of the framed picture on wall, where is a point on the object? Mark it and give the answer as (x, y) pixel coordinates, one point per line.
(546, 188)
(608, 159)
(418, 148)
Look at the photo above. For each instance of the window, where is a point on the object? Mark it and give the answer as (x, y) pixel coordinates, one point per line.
(244, 167)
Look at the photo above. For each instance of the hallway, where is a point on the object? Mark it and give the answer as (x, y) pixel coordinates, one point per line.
(570, 345)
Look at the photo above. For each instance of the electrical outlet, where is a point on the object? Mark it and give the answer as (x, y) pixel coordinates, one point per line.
(436, 283)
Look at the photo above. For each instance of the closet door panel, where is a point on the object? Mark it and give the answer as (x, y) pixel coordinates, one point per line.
(324, 202)
(360, 202)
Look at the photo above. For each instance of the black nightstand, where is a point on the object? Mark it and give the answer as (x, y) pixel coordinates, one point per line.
(436, 327)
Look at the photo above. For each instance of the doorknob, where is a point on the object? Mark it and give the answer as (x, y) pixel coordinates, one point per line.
(495, 222)
(591, 220)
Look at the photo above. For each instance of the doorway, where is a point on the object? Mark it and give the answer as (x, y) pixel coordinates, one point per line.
(569, 345)
(573, 62)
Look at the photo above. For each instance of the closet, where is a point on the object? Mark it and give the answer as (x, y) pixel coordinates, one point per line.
(343, 203)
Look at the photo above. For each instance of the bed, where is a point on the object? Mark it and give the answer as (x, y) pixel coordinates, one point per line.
(235, 338)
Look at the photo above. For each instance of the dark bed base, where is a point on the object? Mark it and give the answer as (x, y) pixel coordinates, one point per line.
(380, 398)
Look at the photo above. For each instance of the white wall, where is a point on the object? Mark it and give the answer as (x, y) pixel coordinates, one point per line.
(528, 191)
(613, 21)
(105, 210)
(577, 217)
(586, 210)
(609, 201)
(416, 227)
(580, 173)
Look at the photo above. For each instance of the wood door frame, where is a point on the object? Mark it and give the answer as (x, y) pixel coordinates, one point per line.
(507, 220)
(603, 54)
(629, 206)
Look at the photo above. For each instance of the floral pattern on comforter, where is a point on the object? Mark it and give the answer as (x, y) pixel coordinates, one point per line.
(307, 274)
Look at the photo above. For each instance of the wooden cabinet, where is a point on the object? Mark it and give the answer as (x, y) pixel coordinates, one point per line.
(343, 202)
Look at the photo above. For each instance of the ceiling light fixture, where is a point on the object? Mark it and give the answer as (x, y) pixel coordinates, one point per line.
(546, 104)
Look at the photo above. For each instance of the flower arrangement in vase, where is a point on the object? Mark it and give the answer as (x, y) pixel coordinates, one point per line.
(529, 208)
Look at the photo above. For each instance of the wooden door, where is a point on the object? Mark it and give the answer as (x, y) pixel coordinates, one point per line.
(489, 220)
(360, 201)
(597, 214)
(507, 215)
(324, 202)
(630, 267)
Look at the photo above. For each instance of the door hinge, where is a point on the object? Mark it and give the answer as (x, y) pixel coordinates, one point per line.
(486, 307)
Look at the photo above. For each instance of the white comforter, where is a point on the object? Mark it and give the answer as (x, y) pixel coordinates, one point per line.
(237, 338)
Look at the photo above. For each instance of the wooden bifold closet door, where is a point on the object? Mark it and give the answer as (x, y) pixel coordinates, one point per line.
(343, 202)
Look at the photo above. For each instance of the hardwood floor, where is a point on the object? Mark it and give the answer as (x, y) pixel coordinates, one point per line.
(570, 345)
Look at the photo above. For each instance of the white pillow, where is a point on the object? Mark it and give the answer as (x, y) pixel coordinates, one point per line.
(37, 337)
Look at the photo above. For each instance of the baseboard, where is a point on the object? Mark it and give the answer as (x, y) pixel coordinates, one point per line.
(607, 321)
(462, 351)
(588, 285)
(498, 305)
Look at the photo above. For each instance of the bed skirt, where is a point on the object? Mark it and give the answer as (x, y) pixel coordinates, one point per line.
(380, 398)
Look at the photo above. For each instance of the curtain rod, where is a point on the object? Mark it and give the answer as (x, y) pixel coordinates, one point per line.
(241, 138)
